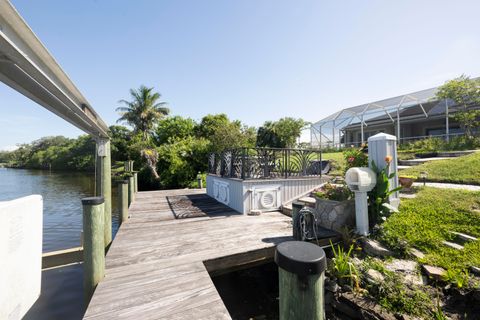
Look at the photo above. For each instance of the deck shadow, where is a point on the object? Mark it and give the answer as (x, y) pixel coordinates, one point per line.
(198, 205)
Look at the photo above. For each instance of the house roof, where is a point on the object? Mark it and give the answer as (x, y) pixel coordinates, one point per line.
(408, 105)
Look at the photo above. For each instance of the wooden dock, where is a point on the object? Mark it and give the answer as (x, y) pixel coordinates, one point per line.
(159, 265)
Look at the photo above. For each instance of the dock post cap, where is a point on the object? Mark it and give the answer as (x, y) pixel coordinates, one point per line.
(297, 204)
(92, 201)
(301, 258)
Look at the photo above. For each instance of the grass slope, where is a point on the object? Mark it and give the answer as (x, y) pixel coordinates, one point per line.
(465, 169)
(424, 222)
(338, 165)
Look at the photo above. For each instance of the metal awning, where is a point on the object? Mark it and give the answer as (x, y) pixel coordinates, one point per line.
(28, 67)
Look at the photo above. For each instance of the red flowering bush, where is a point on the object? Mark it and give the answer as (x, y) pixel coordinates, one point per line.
(355, 158)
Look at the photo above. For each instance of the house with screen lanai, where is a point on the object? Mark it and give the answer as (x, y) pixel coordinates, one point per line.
(409, 117)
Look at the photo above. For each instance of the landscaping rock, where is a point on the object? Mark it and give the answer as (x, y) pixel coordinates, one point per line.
(463, 237)
(374, 248)
(374, 277)
(332, 287)
(452, 245)
(414, 279)
(417, 253)
(396, 265)
(407, 268)
(362, 307)
(433, 272)
(475, 270)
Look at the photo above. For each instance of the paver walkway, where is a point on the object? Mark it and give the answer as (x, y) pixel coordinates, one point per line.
(467, 187)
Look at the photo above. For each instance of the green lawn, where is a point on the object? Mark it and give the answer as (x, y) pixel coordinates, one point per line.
(465, 169)
(337, 162)
(424, 222)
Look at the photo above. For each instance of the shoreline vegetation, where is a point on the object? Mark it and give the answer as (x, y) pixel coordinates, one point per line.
(179, 145)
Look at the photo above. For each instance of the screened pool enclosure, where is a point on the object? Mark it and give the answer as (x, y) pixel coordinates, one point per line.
(409, 117)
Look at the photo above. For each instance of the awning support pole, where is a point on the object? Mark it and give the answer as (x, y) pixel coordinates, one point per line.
(447, 125)
(361, 131)
(398, 126)
(333, 134)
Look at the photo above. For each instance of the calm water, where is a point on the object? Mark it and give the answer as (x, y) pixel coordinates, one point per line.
(62, 292)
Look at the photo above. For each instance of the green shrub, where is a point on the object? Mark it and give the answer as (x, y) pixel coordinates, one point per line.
(334, 192)
(355, 158)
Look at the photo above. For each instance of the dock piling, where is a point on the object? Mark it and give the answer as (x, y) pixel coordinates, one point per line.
(301, 272)
(104, 184)
(135, 179)
(93, 244)
(123, 200)
(296, 207)
(131, 190)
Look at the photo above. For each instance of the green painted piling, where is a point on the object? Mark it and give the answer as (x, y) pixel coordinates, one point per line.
(104, 185)
(93, 244)
(135, 179)
(131, 190)
(123, 200)
(296, 207)
(301, 273)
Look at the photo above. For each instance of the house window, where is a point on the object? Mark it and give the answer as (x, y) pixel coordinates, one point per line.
(442, 131)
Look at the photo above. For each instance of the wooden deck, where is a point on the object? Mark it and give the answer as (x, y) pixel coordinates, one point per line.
(158, 265)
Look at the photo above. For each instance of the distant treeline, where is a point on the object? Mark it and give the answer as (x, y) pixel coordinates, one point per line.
(180, 146)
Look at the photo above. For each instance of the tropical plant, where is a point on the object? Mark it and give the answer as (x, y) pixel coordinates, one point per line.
(355, 158)
(378, 196)
(143, 112)
(342, 266)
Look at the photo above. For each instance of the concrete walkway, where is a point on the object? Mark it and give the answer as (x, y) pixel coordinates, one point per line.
(467, 187)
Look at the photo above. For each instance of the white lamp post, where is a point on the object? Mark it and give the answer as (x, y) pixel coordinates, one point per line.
(360, 181)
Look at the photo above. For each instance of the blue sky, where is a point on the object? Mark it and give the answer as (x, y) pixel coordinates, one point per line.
(255, 60)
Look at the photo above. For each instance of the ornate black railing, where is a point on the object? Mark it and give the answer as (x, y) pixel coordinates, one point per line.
(266, 163)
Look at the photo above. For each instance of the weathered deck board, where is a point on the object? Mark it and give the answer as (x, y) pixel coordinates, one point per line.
(156, 266)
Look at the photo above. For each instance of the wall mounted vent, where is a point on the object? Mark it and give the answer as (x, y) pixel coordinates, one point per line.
(268, 198)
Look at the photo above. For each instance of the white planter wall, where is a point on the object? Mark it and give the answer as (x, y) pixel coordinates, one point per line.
(241, 192)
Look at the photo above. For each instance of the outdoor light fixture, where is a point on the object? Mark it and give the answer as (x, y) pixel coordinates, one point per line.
(423, 176)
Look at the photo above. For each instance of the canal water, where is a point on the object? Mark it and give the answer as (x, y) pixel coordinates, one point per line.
(62, 292)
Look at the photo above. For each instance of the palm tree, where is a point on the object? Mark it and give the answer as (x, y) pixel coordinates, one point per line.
(143, 112)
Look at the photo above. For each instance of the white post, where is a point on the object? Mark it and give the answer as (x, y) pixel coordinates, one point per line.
(320, 140)
(447, 125)
(398, 125)
(380, 146)
(361, 213)
(333, 134)
(361, 131)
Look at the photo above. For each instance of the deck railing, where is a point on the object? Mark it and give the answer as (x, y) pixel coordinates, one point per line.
(266, 163)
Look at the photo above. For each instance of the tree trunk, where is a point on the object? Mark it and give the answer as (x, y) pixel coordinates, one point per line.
(151, 156)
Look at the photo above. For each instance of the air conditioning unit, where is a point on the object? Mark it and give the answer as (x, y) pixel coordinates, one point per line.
(266, 198)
